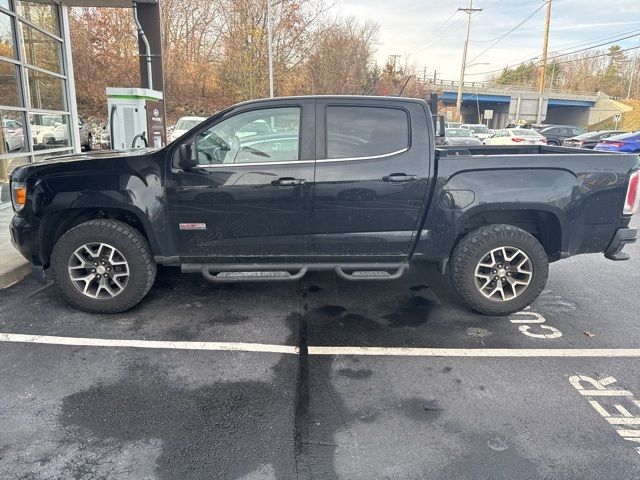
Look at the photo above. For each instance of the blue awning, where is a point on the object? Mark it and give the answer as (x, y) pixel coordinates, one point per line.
(561, 102)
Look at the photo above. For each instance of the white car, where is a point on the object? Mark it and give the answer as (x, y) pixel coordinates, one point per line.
(516, 136)
(184, 125)
(13, 135)
(50, 131)
(479, 130)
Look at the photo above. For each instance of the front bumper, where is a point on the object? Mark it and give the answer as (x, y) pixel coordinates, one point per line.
(24, 238)
(622, 237)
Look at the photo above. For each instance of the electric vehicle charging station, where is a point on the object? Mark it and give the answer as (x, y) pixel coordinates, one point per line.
(136, 118)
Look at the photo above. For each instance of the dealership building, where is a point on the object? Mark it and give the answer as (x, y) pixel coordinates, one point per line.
(37, 91)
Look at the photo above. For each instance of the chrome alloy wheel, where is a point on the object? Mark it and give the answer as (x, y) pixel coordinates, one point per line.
(98, 270)
(503, 274)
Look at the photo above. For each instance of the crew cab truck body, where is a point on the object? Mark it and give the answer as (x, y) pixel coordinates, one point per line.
(349, 184)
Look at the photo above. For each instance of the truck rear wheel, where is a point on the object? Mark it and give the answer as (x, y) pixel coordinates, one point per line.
(499, 269)
(103, 266)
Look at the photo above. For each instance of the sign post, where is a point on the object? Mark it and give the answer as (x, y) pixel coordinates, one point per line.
(617, 118)
(488, 115)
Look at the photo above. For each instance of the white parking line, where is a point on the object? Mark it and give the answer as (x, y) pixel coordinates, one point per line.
(289, 349)
(477, 352)
(104, 342)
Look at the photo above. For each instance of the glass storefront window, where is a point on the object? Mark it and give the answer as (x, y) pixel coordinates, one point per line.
(49, 131)
(7, 38)
(12, 133)
(33, 103)
(43, 13)
(9, 91)
(46, 92)
(41, 50)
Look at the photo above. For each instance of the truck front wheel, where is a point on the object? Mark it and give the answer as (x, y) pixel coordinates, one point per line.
(499, 269)
(103, 266)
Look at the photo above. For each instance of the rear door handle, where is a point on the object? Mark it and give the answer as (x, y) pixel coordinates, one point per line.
(288, 182)
(399, 177)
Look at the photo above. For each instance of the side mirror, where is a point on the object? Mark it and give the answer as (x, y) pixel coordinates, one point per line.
(187, 159)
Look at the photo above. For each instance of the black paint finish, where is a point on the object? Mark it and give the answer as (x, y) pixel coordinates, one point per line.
(346, 210)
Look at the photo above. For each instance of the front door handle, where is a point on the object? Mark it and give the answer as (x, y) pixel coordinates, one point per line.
(288, 182)
(399, 177)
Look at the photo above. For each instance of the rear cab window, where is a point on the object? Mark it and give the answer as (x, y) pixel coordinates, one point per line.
(364, 132)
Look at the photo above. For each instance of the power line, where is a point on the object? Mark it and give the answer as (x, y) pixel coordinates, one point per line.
(557, 56)
(442, 33)
(497, 40)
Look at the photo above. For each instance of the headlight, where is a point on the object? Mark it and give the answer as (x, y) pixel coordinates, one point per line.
(18, 195)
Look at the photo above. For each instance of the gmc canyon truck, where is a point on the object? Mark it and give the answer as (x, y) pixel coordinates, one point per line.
(353, 185)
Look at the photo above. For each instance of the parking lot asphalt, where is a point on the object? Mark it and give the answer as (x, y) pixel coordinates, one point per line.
(189, 411)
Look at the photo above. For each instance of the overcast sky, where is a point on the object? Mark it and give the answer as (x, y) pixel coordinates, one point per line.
(429, 33)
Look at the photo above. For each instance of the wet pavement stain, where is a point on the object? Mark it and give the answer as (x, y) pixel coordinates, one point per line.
(411, 311)
(421, 410)
(355, 374)
(331, 310)
(204, 432)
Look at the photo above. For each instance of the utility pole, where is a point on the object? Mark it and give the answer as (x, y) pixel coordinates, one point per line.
(633, 71)
(424, 76)
(395, 58)
(270, 48)
(545, 47)
(435, 76)
(469, 11)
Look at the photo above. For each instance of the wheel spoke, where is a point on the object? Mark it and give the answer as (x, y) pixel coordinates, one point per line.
(511, 270)
(106, 280)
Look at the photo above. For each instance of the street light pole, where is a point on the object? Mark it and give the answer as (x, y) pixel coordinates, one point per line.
(469, 11)
(270, 48)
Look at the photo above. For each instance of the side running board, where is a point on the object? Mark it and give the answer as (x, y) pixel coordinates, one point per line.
(360, 275)
(238, 272)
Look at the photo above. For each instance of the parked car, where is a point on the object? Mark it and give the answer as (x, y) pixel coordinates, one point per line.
(183, 125)
(590, 139)
(627, 143)
(351, 185)
(516, 136)
(556, 134)
(479, 130)
(459, 136)
(86, 137)
(13, 135)
(49, 131)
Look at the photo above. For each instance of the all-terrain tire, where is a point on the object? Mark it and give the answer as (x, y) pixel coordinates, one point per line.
(127, 240)
(475, 246)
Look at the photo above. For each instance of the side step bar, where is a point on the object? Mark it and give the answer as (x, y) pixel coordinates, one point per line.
(285, 272)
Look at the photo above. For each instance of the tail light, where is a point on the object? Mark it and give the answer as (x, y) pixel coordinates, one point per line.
(543, 140)
(633, 194)
(613, 144)
(517, 139)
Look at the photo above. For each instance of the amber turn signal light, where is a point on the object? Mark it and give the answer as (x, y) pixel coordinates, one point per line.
(19, 196)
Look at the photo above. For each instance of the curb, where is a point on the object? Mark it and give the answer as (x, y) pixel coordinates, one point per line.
(13, 271)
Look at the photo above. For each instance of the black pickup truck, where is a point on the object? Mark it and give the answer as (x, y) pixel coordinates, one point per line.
(271, 189)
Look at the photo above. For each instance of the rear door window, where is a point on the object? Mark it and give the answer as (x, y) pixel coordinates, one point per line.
(360, 132)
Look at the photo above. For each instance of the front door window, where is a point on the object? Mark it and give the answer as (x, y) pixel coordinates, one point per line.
(270, 135)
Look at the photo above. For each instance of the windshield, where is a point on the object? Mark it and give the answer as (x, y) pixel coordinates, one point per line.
(458, 132)
(478, 128)
(187, 123)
